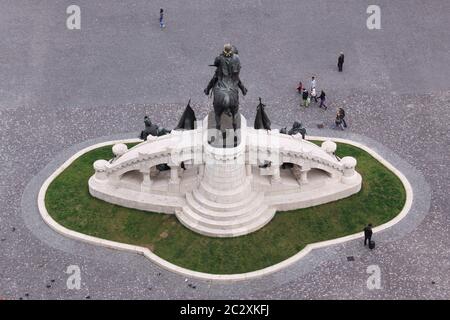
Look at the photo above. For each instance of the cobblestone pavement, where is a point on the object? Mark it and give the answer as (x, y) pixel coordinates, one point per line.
(61, 88)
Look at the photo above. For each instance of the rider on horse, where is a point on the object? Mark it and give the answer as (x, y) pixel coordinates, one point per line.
(225, 84)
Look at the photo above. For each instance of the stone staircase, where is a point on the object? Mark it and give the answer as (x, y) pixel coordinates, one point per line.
(225, 213)
(223, 203)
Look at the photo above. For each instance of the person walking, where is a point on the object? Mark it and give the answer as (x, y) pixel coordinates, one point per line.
(368, 234)
(341, 61)
(305, 97)
(322, 98)
(341, 114)
(313, 83)
(161, 18)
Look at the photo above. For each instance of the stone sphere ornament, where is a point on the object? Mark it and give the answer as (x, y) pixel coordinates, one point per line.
(119, 149)
(329, 146)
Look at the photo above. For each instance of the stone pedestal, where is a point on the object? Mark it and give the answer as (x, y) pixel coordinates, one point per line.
(226, 136)
(350, 175)
(224, 205)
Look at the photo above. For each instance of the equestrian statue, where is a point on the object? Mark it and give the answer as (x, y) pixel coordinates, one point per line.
(225, 85)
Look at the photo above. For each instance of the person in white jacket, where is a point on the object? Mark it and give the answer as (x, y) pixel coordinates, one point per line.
(313, 83)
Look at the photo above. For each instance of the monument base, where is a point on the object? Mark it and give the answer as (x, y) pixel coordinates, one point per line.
(226, 136)
(225, 191)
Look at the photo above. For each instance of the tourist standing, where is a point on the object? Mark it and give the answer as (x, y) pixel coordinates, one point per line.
(305, 97)
(322, 98)
(161, 18)
(341, 114)
(339, 122)
(341, 61)
(368, 234)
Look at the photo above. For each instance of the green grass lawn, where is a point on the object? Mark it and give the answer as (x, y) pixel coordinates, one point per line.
(68, 201)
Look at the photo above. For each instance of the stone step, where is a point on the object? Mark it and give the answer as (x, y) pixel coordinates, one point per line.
(218, 167)
(226, 196)
(227, 178)
(234, 206)
(218, 170)
(221, 224)
(224, 184)
(227, 173)
(224, 215)
(256, 224)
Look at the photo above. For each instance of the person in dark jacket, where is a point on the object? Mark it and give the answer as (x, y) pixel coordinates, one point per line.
(322, 98)
(341, 114)
(341, 61)
(368, 233)
(305, 97)
(161, 18)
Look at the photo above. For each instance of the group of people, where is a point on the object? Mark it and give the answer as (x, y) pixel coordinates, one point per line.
(311, 94)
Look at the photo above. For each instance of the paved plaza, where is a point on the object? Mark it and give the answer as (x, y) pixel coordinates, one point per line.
(62, 90)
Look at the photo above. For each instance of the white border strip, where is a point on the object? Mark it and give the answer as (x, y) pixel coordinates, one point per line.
(207, 276)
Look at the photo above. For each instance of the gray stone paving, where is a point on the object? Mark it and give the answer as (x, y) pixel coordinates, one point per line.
(60, 89)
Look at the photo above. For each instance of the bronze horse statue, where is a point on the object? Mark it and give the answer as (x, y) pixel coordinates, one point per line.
(225, 84)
